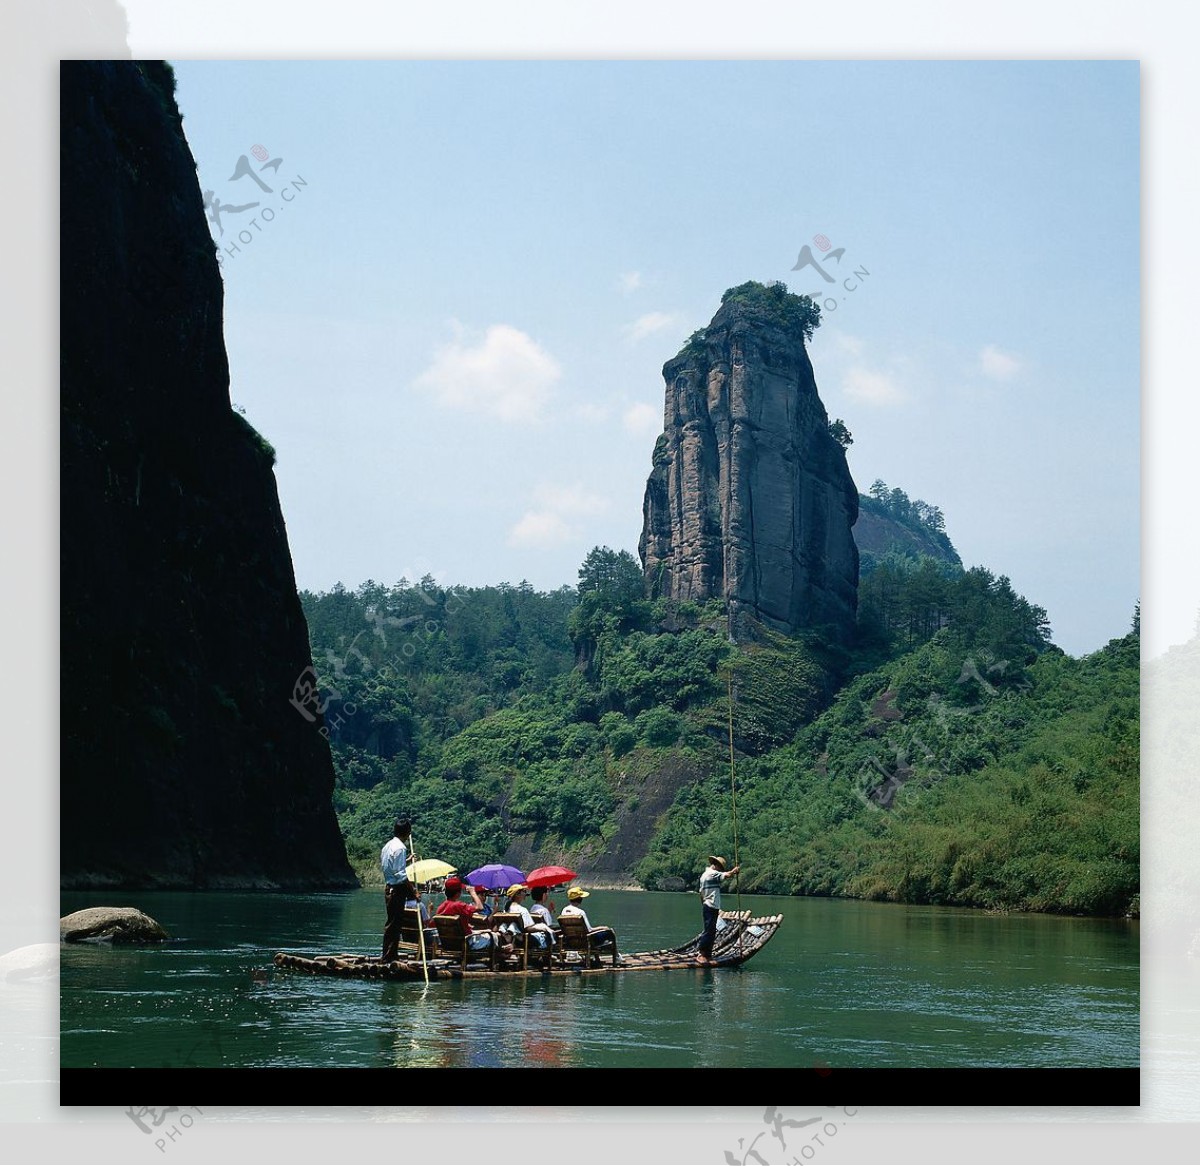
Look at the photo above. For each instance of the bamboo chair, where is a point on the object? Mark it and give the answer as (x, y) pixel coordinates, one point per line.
(452, 942)
(410, 932)
(522, 944)
(577, 937)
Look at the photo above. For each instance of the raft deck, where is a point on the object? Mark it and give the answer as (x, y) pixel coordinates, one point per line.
(739, 937)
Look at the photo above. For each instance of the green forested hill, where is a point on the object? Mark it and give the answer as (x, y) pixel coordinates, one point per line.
(946, 776)
(953, 755)
(405, 669)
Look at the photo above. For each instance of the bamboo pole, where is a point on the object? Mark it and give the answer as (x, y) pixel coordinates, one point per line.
(733, 800)
(420, 920)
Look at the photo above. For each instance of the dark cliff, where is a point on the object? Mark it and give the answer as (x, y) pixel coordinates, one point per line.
(750, 499)
(183, 762)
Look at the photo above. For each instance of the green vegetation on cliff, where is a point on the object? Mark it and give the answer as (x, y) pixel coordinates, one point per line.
(891, 523)
(773, 300)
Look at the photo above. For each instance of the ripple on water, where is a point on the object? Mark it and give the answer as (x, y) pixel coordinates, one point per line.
(844, 983)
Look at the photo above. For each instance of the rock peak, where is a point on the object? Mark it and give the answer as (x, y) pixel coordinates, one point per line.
(750, 499)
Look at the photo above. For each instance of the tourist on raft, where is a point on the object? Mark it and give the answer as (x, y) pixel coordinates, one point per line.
(540, 934)
(476, 940)
(482, 906)
(541, 911)
(415, 902)
(599, 936)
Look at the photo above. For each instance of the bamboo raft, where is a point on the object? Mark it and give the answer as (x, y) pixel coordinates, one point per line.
(739, 937)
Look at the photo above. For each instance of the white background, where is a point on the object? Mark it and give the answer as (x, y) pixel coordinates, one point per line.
(539, 1127)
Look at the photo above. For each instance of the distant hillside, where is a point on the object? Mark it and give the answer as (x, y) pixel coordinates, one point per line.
(889, 522)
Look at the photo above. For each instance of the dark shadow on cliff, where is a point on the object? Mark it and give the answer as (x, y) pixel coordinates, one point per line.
(184, 762)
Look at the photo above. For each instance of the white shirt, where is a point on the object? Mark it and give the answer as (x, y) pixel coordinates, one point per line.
(572, 909)
(710, 886)
(526, 918)
(394, 858)
(543, 913)
(528, 923)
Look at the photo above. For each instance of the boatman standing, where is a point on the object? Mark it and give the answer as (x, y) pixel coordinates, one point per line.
(710, 893)
(396, 887)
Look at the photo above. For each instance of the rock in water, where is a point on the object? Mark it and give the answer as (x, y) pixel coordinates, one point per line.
(750, 499)
(192, 747)
(118, 924)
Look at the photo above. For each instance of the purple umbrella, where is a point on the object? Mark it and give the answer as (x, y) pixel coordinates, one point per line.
(495, 876)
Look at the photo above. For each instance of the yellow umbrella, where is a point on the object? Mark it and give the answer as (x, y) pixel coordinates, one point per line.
(425, 870)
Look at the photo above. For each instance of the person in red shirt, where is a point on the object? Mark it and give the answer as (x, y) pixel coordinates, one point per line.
(476, 940)
(480, 896)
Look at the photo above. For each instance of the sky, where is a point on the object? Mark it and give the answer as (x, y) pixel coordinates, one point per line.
(452, 322)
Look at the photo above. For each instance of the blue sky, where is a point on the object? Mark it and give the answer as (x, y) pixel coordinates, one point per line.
(453, 332)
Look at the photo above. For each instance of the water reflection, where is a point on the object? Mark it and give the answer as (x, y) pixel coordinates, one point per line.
(422, 1040)
(548, 1039)
(483, 1024)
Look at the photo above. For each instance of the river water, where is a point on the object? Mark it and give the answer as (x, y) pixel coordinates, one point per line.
(842, 984)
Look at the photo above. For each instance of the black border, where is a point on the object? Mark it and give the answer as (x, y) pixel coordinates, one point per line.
(744, 1086)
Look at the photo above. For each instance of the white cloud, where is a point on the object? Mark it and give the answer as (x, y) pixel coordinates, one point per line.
(629, 281)
(844, 342)
(590, 411)
(871, 388)
(540, 528)
(570, 500)
(650, 323)
(508, 375)
(555, 518)
(997, 364)
(642, 420)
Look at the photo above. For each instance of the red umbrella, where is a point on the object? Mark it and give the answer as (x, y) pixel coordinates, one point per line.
(548, 876)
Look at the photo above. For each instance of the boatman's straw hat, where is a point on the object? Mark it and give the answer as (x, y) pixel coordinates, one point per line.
(717, 861)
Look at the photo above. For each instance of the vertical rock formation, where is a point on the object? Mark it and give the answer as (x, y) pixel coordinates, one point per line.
(183, 762)
(750, 499)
